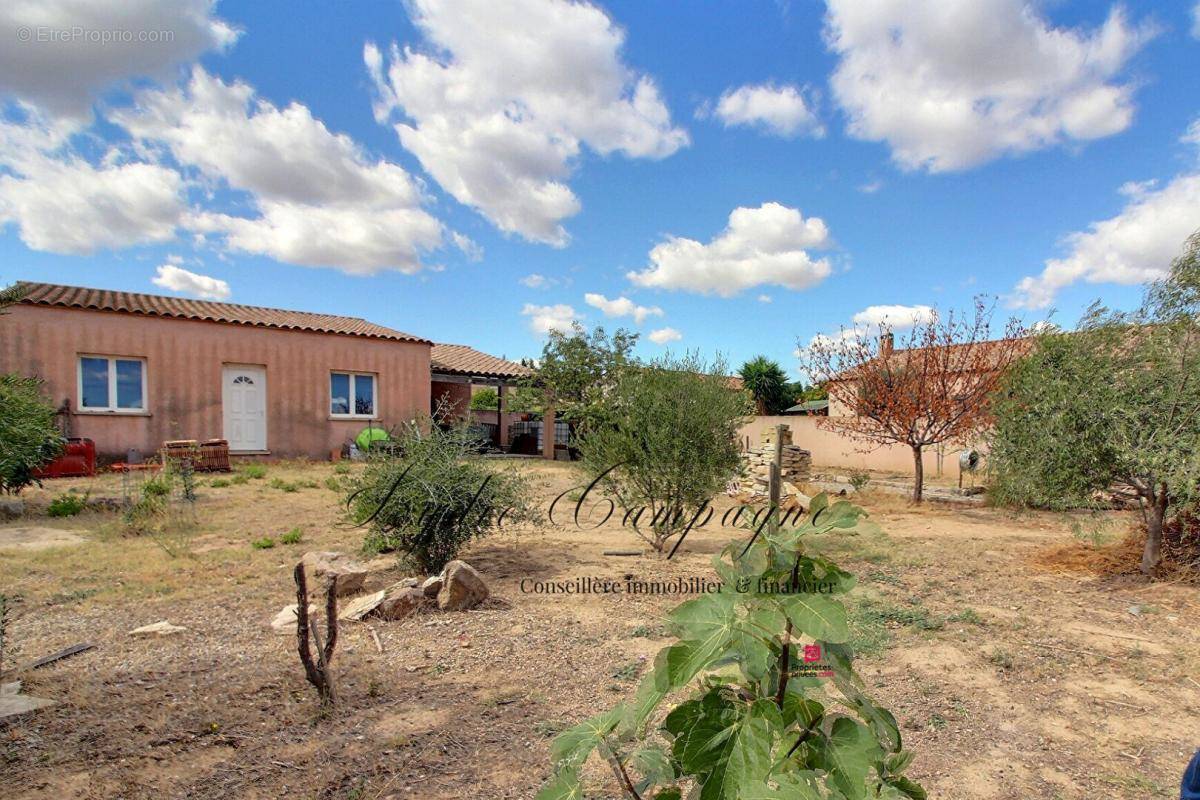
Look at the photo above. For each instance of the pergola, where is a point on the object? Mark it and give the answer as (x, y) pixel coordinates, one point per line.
(457, 365)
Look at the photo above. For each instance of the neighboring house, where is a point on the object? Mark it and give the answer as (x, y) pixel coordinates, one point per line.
(133, 370)
(815, 408)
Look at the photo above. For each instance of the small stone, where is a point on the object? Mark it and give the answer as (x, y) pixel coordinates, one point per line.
(359, 607)
(432, 585)
(462, 587)
(162, 628)
(401, 603)
(285, 620)
(326, 564)
(407, 583)
(11, 507)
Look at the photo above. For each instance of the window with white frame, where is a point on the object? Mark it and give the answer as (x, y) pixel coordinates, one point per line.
(351, 394)
(113, 384)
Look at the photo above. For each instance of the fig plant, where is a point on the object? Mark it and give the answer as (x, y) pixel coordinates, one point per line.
(775, 710)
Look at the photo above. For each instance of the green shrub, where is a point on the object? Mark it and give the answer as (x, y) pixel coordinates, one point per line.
(859, 479)
(66, 505)
(435, 496)
(754, 718)
(672, 427)
(284, 486)
(28, 435)
(238, 479)
(292, 537)
(254, 471)
(265, 543)
(219, 483)
(341, 468)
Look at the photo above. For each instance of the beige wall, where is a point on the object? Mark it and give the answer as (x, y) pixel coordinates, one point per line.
(184, 361)
(831, 449)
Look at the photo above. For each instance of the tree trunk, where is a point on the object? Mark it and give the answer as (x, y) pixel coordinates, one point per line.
(918, 474)
(1154, 532)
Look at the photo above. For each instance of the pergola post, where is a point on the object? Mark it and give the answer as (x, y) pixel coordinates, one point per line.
(548, 433)
(501, 410)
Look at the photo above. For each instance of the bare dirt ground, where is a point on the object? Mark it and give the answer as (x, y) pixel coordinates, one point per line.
(1009, 681)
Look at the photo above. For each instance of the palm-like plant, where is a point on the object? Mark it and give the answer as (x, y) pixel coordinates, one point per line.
(766, 380)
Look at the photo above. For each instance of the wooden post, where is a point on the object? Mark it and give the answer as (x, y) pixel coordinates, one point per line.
(775, 480)
(548, 433)
(501, 410)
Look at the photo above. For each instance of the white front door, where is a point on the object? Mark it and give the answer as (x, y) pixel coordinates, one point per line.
(244, 396)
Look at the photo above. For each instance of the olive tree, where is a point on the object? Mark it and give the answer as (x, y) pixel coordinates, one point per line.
(665, 441)
(28, 436)
(432, 494)
(1114, 403)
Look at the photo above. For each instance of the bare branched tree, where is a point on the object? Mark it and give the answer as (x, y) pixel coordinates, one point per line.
(317, 667)
(935, 388)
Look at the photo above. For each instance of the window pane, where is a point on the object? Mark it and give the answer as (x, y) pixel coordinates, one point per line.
(364, 394)
(339, 394)
(129, 384)
(94, 372)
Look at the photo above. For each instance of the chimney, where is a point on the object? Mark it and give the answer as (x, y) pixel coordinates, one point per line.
(886, 342)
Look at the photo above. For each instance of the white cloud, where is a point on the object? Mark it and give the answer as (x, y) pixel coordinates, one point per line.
(1135, 246)
(954, 84)
(1196, 21)
(322, 200)
(894, 317)
(543, 319)
(499, 108)
(764, 298)
(780, 110)
(61, 203)
(536, 280)
(59, 54)
(622, 307)
(764, 245)
(1192, 135)
(176, 279)
(871, 187)
(665, 335)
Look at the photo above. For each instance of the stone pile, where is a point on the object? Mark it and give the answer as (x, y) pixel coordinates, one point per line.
(796, 464)
(459, 587)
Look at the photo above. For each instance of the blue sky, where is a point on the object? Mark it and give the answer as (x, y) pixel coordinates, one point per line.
(739, 179)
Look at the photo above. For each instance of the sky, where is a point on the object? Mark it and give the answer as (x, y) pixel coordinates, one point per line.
(734, 178)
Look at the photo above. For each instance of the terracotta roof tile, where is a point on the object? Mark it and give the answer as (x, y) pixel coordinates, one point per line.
(458, 359)
(49, 294)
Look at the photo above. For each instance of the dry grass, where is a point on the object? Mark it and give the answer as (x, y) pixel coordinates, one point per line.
(1008, 681)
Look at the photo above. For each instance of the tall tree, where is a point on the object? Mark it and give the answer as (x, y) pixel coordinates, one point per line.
(768, 383)
(579, 369)
(1116, 402)
(935, 388)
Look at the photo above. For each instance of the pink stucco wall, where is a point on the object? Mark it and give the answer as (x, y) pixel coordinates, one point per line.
(184, 360)
(832, 449)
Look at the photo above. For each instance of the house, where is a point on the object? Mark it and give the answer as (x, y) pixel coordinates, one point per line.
(132, 370)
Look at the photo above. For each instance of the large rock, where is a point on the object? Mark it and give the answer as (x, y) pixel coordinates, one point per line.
(462, 587)
(325, 564)
(11, 507)
(285, 620)
(432, 585)
(400, 602)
